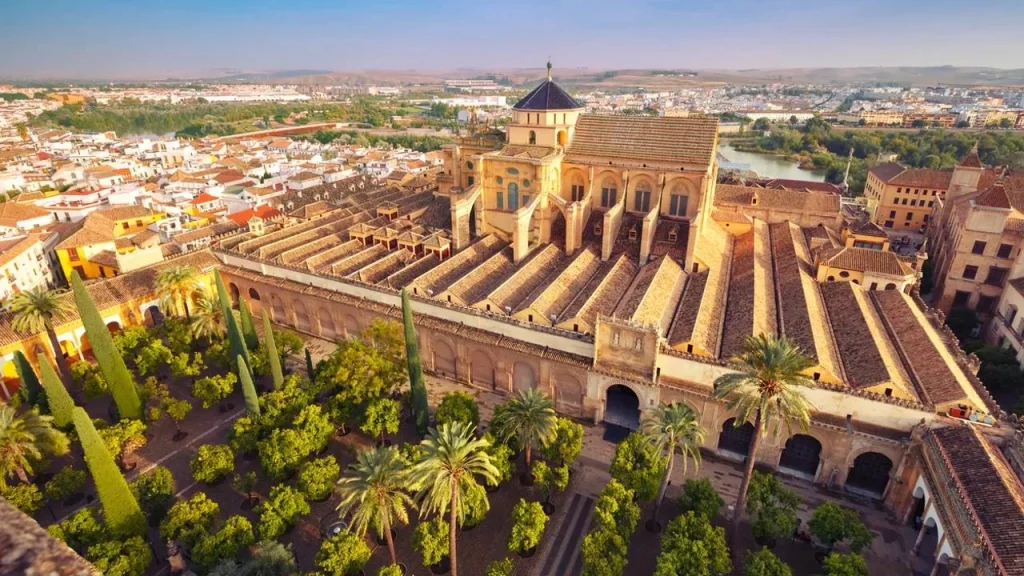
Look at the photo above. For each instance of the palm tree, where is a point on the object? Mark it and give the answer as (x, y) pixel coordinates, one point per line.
(670, 427)
(530, 417)
(373, 491)
(765, 390)
(34, 311)
(176, 284)
(25, 439)
(208, 320)
(451, 459)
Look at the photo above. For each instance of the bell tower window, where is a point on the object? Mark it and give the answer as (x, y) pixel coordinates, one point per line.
(533, 137)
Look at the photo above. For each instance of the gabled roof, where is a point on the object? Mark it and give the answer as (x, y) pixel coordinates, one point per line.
(897, 175)
(547, 96)
(674, 140)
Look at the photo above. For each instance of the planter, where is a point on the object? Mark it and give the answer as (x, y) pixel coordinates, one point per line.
(250, 502)
(529, 552)
(382, 541)
(74, 499)
(442, 567)
(653, 526)
(492, 489)
(179, 436)
(548, 508)
(526, 479)
(226, 407)
(403, 568)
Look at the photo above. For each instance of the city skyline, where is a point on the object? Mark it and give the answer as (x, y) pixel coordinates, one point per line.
(112, 39)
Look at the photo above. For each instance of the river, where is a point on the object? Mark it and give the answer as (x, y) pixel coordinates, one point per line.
(769, 165)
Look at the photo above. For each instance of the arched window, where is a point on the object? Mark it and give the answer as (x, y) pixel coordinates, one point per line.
(642, 197)
(562, 140)
(513, 196)
(533, 137)
(577, 189)
(609, 193)
(677, 202)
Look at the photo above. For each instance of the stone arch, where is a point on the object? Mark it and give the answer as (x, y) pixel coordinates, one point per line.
(234, 293)
(679, 198)
(69, 349)
(524, 377)
(870, 473)
(890, 286)
(481, 369)
(574, 184)
(568, 391)
(154, 316)
(443, 358)
(622, 406)
(735, 440)
(114, 327)
(351, 326)
(84, 344)
(562, 138)
(326, 321)
(640, 196)
(254, 295)
(512, 197)
(609, 188)
(277, 311)
(801, 456)
(302, 323)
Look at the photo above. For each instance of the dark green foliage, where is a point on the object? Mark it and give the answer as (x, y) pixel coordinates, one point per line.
(24, 497)
(765, 563)
(615, 518)
(213, 389)
(118, 557)
(155, 492)
(343, 555)
(430, 539)
(283, 452)
(639, 467)
(315, 426)
(845, 565)
(272, 354)
(57, 396)
(88, 378)
(700, 496)
(152, 358)
(279, 407)
(123, 438)
(188, 520)
(212, 462)
(772, 506)
(691, 546)
(120, 509)
(281, 511)
(252, 340)
(501, 567)
(252, 401)
(381, 417)
(475, 505)
(310, 369)
(115, 373)
(962, 321)
(80, 531)
(832, 523)
(317, 478)
(550, 478)
(244, 435)
(270, 558)
(567, 444)
(457, 407)
(421, 411)
(234, 536)
(234, 333)
(64, 484)
(528, 522)
(31, 391)
(502, 457)
(132, 339)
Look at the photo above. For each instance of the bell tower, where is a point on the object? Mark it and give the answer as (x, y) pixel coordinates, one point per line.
(545, 117)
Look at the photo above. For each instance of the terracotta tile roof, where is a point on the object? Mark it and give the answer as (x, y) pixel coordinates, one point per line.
(897, 175)
(527, 151)
(488, 275)
(413, 270)
(603, 291)
(540, 266)
(672, 140)
(653, 295)
(356, 261)
(886, 171)
(451, 270)
(994, 197)
(794, 320)
(989, 491)
(26, 548)
(866, 228)
(865, 260)
(550, 299)
(19, 211)
(861, 358)
(781, 199)
(14, 247)
(802, 185)
(971, 160)
(687, 310)
(739, 310)
(380, 270)
(106, 258)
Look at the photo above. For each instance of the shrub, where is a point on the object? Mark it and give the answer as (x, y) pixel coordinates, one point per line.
(832, 523)
(281, 511)
(270, 558)
(343, 555)
(87, 377)
(152, 357)
(458, 407)
(501, 567)
(475, 505)
(212, 462)
(155, 491)
(390, 570)
(213, 389)
(119, 557)
(24, 497)
(224, 544)
(245, 435)
(765, 563)
(64, 484)
(502, 457)
(430, 539)
(567, 444)
(616, 515)
(124, 437)
(316, 426)
(700, 496)
(773, 506)
(528, 522)
(639, 467)
(845, 565)
(189, 519)
(278, 408)
(691, 545)
(79, 531)
(317, 478)
(281, 454)
(382, 417)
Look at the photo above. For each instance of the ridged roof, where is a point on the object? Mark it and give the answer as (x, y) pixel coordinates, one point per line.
(646, 139)
(547, 96)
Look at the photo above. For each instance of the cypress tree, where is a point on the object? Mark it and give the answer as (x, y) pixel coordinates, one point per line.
(57, 395)
(310, 369)
(238, 347)
(120, 509)
(252, 341)
(30, 389)
(119, 379)
(272, 356)
(412, 355)
(252, 402)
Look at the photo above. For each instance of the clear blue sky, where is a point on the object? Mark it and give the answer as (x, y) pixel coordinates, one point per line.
(124, 38)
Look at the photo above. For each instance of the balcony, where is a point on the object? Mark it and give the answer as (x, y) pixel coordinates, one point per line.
(1007, 323)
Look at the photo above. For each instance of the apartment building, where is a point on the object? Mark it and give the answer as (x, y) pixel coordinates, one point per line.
(901, 198)
(23, 266)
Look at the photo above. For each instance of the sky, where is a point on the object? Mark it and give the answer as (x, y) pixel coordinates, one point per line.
(119, 39)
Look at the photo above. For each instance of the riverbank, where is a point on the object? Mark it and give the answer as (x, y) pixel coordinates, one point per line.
(769, 164)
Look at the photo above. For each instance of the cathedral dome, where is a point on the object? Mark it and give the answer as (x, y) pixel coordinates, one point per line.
(547, 96)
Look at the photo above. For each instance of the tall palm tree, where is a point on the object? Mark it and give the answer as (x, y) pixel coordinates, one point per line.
(176, 284)
(670, 427)
(530, 417)
(208, 319)
(26, 438)
(34, 312)
(373, 491)
(450, 462)
(765, 390)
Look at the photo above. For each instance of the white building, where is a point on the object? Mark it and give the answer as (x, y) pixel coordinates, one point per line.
(23, 266)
